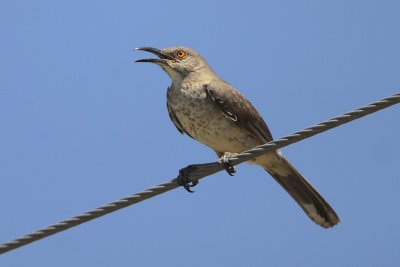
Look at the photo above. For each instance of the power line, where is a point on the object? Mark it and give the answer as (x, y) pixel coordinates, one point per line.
(195, 172)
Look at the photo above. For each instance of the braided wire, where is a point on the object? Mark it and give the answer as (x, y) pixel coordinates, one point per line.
(199, 171)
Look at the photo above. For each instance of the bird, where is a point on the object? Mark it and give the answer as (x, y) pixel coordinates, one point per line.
(206, 108)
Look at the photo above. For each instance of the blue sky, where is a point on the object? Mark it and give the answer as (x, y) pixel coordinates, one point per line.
(83, 125)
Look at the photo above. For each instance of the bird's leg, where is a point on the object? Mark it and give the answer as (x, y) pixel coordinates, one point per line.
(183, 178)
(224, 160)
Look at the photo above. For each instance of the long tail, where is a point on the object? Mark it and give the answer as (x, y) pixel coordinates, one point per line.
(313, 204)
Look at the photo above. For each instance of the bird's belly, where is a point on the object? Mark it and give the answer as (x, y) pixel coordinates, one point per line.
(216, 131)
(205, 122)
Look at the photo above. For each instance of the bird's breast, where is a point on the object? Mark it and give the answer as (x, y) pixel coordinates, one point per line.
(202, 119)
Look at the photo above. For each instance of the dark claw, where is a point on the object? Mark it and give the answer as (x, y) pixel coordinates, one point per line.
(188, 186)
(184, 181)
(231, 170)
(225, 162)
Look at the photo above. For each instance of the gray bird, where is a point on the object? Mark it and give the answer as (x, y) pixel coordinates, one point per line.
(211, 111)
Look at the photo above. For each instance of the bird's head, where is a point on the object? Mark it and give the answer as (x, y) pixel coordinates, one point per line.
(178, 61)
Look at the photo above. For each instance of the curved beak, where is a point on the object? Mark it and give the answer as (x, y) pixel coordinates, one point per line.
(163, 57)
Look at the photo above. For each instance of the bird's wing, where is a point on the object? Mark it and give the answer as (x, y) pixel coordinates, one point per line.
(175, 120)
(238, 109)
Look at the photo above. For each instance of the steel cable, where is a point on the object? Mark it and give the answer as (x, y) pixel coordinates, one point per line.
(198, 171)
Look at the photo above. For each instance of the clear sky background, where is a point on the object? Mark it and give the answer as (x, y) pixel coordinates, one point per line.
(83, 125)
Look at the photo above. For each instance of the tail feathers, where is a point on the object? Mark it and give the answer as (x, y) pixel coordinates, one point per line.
(313, 204)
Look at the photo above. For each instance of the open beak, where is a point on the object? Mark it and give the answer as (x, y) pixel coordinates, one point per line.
(163, 57)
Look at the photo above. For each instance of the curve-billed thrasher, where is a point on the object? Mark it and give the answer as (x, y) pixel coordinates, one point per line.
(214, 113)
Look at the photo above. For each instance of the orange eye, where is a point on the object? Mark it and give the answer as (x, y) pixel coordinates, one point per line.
(181, 54)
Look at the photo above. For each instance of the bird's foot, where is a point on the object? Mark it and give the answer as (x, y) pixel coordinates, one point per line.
(225, 162)
(183, 178)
